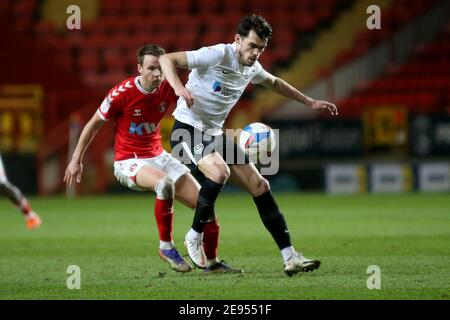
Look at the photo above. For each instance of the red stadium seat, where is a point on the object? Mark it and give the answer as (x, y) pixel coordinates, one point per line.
(232, 7)
(112, 8)
(215, 22)
(182, 7)
(207, 6)
(95, 42)
(282, 54)
(284, 36)
(267, 60)
(303, 21)
(44, 28)
(136, 7)
(112, 25)
(213, 37)
(186, 40)
(88, 60)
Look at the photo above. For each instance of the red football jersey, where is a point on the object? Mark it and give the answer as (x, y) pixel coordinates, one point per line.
(137, 113)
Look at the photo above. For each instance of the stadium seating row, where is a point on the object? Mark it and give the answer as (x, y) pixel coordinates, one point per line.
(398, 14)
(108, 44)
(422, 83)
(117, 7)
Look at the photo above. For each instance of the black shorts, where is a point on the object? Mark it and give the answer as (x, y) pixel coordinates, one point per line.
(189, 145)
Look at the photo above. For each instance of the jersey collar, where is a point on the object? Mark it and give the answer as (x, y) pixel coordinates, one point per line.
(138, 85)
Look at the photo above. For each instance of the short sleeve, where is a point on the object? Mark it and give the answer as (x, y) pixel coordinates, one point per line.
(260, 75)
(205, 57)
(109, 107)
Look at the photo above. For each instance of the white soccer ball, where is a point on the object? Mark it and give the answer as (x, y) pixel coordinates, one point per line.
(257, 140)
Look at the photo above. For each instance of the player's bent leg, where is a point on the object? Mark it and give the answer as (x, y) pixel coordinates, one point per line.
(32, 219)
(11, 192)
(247, 177)
(216, 172)
(150, 178)
(186, 190)
(214, 167)
(210, 244)
(147, 177)
(251, 180)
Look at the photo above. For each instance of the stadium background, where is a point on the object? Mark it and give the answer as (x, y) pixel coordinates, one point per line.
(391, 86)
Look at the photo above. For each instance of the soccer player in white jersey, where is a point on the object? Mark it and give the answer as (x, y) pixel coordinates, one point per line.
(219, 75)
(13, 193)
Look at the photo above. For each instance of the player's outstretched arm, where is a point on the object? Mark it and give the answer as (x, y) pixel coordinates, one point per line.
(283, 88)
(75, 168)
(169, 64)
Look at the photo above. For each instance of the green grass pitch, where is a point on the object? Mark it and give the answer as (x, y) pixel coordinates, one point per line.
(114, 242)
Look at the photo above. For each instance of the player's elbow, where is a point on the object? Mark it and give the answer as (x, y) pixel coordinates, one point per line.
(176, 59)
(165, 60)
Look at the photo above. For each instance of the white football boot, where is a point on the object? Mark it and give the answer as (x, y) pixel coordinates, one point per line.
(298, 263)
(196, 252)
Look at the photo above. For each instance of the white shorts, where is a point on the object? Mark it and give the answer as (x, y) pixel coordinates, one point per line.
(3, 178)
(125, 170)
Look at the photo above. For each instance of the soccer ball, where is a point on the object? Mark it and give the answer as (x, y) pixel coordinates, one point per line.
(257, 140)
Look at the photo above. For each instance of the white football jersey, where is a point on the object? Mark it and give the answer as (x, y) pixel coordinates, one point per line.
(217, 81)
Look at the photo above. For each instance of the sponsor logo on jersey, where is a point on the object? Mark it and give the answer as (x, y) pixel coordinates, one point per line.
(162, 107)
(139, 128)
(217, 87)
(225, 91)
(137, 113)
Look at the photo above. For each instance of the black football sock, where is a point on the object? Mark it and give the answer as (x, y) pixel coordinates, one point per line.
(12, 193)
(273, 219)
(204, 210)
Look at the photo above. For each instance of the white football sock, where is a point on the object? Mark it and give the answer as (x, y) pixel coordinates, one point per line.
(287, 253)
(194, 235)
(212, 262)
(164, 245)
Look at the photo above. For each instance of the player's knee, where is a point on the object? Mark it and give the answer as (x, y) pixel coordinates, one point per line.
(222, 174)
(165, 188)
(219, 173)
(261, 186)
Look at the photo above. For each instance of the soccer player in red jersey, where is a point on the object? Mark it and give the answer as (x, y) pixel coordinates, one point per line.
(13, 193)
(137, 105)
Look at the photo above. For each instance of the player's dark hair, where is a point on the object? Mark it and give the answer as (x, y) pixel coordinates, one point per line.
(256, 23)
(151, 49)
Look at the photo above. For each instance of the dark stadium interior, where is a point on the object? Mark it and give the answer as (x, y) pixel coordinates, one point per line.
(70, 71)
